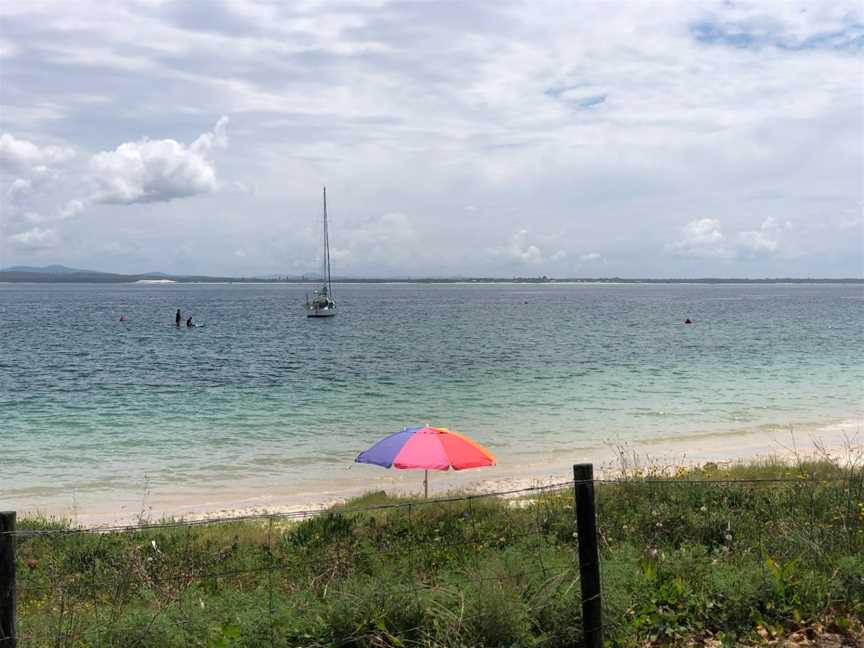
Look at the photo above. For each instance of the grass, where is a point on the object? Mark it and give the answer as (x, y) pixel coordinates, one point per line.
(682, 561)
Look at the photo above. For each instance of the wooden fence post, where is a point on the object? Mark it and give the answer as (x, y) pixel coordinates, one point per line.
(7, 579)
(589, 558)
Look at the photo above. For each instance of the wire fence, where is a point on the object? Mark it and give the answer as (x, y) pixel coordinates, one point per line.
(497, 569)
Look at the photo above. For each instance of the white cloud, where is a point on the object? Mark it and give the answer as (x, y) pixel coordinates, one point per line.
(519, 250)
(18, 189)
(217, 138)
(143, 171)
(149, 171)
(15, 152)
(28, 198)
(761, 241)
(37, 238)
(21, 154)
(589, 257)
(703, 232)
(702, 238)
(607, 140)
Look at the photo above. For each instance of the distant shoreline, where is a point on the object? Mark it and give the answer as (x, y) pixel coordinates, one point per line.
(15, 277)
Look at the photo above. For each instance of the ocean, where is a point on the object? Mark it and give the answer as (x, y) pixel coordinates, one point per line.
(99, 414)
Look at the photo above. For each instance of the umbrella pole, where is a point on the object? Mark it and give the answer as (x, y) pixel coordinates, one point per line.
(426, 484)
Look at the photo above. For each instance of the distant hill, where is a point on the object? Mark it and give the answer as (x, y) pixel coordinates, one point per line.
(49, 269)
(19, 275)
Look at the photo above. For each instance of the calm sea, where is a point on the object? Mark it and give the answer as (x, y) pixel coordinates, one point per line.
(261, 394)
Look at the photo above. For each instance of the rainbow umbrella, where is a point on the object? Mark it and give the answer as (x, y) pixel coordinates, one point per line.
(427, 448)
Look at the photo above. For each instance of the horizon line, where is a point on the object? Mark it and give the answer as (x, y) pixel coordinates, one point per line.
(70, 273)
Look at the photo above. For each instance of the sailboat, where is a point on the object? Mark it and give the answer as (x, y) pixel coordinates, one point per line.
(322, 303)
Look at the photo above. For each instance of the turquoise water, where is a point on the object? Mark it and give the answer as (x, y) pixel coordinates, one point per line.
(262, 394)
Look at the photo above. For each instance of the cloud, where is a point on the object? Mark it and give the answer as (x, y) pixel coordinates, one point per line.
(519, 250)
(701, 238)
(37, 238)
(71, 209)
(18, 189)
(761, 241)
(149, 171)
(590, 257)
(607, 140)
(387, 240)
(24, 155)
(135, 172)
(217, 138)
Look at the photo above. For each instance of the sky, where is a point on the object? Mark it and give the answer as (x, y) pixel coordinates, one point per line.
(568, 139)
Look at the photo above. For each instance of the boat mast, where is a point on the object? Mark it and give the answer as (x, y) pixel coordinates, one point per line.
(327, 248)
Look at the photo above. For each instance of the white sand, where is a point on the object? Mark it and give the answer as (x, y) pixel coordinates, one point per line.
(843, 441)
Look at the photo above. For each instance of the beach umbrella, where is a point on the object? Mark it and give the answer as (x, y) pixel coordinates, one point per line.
(427, 448)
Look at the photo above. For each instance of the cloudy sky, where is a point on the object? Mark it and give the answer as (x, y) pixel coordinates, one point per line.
(455, 138)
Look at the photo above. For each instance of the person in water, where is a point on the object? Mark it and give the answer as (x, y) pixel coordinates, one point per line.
(687, 321)
(189, 323)
(177, 318)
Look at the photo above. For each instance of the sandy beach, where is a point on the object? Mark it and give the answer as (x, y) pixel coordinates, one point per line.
(843, 441)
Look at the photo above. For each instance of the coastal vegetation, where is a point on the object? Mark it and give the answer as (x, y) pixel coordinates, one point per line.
(743, 554)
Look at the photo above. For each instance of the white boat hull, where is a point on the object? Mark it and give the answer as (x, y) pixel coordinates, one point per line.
(321, 312)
